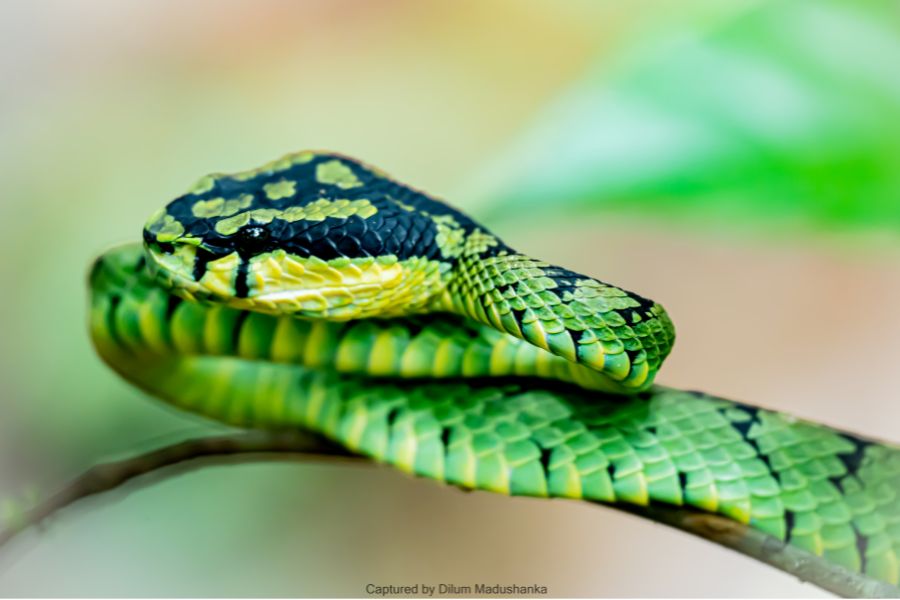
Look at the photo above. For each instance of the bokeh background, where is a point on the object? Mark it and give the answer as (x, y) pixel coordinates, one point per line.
(738, 161)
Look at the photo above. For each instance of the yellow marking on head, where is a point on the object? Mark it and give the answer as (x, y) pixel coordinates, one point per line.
(479, 241)
(280, 189)
(220, 207)
(317, 210)
(340, 289)
(204, 184)
(155, 219)
(165, 227)
(230, 225)
(334, 172)
(281, 164)
(449, 236)
(220, 273)
(174, 267)
(401, 204)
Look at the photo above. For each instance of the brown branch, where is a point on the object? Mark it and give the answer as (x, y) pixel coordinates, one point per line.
(193, 453)
(765, 548)
(263, 445)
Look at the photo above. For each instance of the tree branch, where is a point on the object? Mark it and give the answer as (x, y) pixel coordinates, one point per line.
(176, 458)
(269, 445)
(765, 548)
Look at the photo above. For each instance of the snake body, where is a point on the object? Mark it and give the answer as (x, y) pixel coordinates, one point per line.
(316, 292)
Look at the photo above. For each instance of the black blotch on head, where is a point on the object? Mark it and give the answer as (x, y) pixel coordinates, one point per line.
(149, 238)
(201, 263)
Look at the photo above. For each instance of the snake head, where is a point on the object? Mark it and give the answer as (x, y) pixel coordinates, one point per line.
(314, 234)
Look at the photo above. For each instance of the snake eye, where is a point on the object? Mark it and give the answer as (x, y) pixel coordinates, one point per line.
(254, 233)
(254, 237)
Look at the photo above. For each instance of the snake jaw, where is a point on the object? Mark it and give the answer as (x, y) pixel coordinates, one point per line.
(280, 283)
(171, 266)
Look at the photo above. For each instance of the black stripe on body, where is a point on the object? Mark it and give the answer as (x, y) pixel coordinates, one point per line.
(545, 457)
(854, 460)
(790, 520)
(236, 331)
(445, 438)
(173, 302)
(743, 427)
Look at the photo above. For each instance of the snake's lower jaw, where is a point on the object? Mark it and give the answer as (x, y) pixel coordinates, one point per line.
(279, 283)
(173, 269)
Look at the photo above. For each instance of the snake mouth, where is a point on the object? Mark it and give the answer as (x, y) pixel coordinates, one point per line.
(172, 266)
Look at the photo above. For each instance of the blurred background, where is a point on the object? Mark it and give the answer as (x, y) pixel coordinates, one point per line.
(739, 162)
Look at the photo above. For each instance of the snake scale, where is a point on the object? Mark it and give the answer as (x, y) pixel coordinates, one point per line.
(316, 292)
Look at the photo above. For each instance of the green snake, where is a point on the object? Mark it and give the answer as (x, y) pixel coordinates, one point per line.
(315, 292)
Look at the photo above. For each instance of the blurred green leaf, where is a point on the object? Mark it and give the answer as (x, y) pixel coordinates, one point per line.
(786, 115)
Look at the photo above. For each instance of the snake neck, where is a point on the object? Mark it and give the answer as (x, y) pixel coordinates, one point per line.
(620, 335)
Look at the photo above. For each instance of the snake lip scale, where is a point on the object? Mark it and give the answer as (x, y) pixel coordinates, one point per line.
(317, 292)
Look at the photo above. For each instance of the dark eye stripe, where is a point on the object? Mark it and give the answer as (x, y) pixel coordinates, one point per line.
(201, 263)
(241, 285)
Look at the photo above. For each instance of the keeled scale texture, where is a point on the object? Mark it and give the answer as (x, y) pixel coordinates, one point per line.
(833, 494)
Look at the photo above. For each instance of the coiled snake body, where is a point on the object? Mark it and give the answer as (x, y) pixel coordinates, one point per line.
(316, 292)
